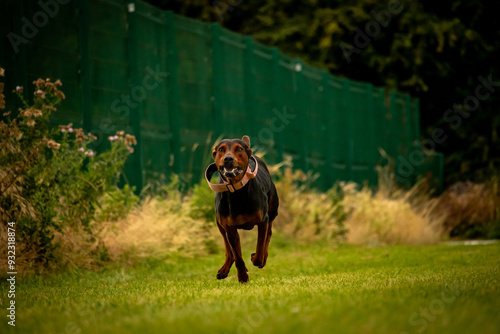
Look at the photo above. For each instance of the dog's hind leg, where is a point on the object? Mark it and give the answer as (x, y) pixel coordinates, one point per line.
(273, 213)
(268, 239)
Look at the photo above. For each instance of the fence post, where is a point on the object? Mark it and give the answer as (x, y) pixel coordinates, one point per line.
(408, 120)
(135, 115)
(416, 136)
(217, 102)
(301, 111)
(383, 121)
(392, 124)
(277, 99)
(395, 133)
(329, 155)
(249, 84)
(173, 96)
(346, 102)
(372, 146)
(85, 68)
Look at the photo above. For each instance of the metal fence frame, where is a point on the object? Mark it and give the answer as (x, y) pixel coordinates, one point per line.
(231, 85)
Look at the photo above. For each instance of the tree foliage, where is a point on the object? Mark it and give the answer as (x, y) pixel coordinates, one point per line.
(432, 50)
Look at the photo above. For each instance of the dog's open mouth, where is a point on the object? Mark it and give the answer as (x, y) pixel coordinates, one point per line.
(230, 171)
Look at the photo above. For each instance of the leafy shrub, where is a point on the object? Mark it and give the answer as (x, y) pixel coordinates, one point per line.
(51, 178)
(202, 201)
(115, 204)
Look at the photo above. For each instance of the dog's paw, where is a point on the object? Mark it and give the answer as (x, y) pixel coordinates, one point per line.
(221, 275)
(243, 276)
(256, 262)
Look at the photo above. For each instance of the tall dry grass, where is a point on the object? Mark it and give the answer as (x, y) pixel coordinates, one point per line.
(390, 215)
(467, 204)
(305, 214)
(380, 219)
(359, 215)
(158, 228)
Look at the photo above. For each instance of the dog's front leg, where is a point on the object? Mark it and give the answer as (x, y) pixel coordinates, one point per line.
(224, 270)
(234, 240)
(259, 257)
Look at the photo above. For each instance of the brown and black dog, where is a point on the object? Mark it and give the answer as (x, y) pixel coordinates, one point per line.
(246, 196)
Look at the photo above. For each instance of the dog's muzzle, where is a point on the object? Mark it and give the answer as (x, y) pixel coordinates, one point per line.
(230, 171)
(225, 185)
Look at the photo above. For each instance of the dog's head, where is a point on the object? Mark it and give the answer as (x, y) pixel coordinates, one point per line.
(231, 157)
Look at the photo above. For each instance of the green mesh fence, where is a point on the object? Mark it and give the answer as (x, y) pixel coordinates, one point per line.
(179, 84)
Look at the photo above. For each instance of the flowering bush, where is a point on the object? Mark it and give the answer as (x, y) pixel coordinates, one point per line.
(51, 178)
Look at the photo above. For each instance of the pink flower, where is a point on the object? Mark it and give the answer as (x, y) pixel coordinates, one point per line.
(70, 130)
(115, 137)
(90, 153)
(130, 149)
(111, 138)
(40, 93)
(63, 130)
(18, 88)
(81, 149)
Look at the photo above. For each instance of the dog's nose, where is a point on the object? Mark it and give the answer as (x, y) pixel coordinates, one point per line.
(228, 159)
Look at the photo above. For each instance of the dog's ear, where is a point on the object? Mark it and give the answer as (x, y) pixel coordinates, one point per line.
(246, 140)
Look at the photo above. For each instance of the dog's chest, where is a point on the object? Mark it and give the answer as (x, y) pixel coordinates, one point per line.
(242, 209)
(244, 221)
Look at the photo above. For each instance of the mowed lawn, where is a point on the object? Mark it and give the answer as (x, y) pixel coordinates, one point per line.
(303, 289)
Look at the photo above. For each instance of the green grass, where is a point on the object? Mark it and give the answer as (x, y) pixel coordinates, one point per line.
(303, 289)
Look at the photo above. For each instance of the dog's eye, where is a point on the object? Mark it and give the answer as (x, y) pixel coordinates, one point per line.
(221, 149)
(239, 149)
